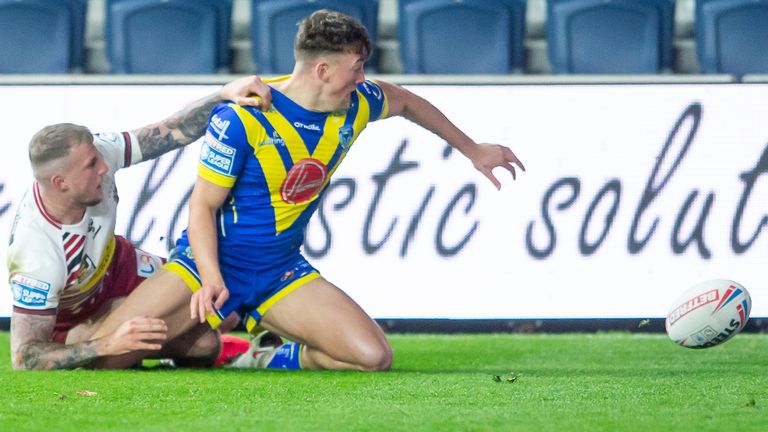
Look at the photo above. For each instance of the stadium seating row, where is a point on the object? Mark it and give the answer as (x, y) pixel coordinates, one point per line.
(435, 36)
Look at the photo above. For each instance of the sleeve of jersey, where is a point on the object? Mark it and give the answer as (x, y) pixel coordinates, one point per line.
(377, 100)
(120, 150)
(225, 147)
(35, 286)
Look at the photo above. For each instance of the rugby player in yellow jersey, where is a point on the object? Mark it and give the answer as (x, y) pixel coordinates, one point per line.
(260, 178)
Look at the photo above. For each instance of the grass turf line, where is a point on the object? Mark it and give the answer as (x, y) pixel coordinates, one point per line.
(570, 382)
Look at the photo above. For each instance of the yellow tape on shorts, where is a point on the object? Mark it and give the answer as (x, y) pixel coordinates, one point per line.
(213, 319)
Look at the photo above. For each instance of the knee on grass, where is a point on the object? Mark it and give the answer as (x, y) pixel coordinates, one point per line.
(374, 357)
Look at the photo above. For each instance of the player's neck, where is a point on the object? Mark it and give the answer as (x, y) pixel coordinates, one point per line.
(60, 208)
(306, 92)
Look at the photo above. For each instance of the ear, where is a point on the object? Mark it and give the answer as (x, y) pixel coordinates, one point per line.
(322, 70)
(59, 183)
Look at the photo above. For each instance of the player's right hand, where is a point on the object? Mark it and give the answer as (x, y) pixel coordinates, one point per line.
(140, 333)
(207, 299)
(248, 91)
(485, 157)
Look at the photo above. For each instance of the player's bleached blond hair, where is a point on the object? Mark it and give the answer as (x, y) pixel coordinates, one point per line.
(54, 142)
(327, 31)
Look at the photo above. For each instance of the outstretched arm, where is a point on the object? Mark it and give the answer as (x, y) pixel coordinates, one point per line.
(187, 125)
(485, 157)
(32, 349)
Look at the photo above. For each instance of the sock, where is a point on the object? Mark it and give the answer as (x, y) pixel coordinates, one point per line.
(287, 356)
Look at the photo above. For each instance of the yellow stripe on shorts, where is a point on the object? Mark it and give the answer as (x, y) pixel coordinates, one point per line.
(252, 326)
(264, 307)
(214, 320)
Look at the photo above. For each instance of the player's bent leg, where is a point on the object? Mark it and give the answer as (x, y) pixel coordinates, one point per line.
(85, 330)
(335, 331)
(195, 348)
(164, 295)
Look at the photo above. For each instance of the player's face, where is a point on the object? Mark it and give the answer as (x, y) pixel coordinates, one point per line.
(85, 174)
(346, 72)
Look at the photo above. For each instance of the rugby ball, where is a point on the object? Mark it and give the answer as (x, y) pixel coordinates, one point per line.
(708, 314)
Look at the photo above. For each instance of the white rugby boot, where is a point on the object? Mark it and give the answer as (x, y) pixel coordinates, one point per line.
(260, 353)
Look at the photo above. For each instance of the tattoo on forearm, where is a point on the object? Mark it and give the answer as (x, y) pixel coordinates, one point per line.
(31, 347)
(44, 356)
(178, 130)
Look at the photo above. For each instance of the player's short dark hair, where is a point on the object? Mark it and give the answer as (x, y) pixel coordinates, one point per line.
(54, 142)
(327, 31)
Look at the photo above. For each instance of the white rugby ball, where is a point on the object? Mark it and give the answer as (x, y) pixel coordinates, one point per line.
(708, 314)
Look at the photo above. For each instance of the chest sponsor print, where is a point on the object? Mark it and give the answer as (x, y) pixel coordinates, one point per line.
(303, 181)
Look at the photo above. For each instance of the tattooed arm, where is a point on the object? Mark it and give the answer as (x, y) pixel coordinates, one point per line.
(32, 349)
(187, 125)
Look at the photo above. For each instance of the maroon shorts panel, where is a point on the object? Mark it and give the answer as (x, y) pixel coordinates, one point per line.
(129, 267)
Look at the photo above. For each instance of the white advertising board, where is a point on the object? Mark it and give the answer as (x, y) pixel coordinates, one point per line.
(632, 194)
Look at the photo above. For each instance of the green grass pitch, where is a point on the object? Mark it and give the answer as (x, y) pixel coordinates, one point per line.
(499, 382)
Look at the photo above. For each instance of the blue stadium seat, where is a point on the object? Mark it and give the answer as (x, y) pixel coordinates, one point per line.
(610, 36)
(274, 27)
(732, 36)
(77, 10)
(224, 14)
(168, 36)
(41, 36)
(466, 37)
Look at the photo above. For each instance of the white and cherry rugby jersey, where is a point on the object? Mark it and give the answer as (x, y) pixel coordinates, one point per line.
(55, 267)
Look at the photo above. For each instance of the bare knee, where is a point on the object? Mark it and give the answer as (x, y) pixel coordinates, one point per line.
(374, 357)
(195, 348)
(207, 345)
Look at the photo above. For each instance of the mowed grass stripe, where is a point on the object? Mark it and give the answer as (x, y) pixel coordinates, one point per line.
(563, 382)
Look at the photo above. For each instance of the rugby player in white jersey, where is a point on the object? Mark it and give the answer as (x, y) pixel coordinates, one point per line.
(67, 268)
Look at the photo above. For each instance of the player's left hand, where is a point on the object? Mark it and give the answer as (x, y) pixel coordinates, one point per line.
(486, 157)
(248, 91)
(206, 300)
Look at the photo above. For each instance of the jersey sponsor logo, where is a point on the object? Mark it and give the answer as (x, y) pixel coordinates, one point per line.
(29, 291)
(146, 264)
(219, 146)
(220, 126)
(30, 282)
(311, 127)
(303, 181)
(217, 155)
(345, 136)
(276, 140)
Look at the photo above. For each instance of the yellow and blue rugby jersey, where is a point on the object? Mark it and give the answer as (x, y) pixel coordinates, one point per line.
(278, 163)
